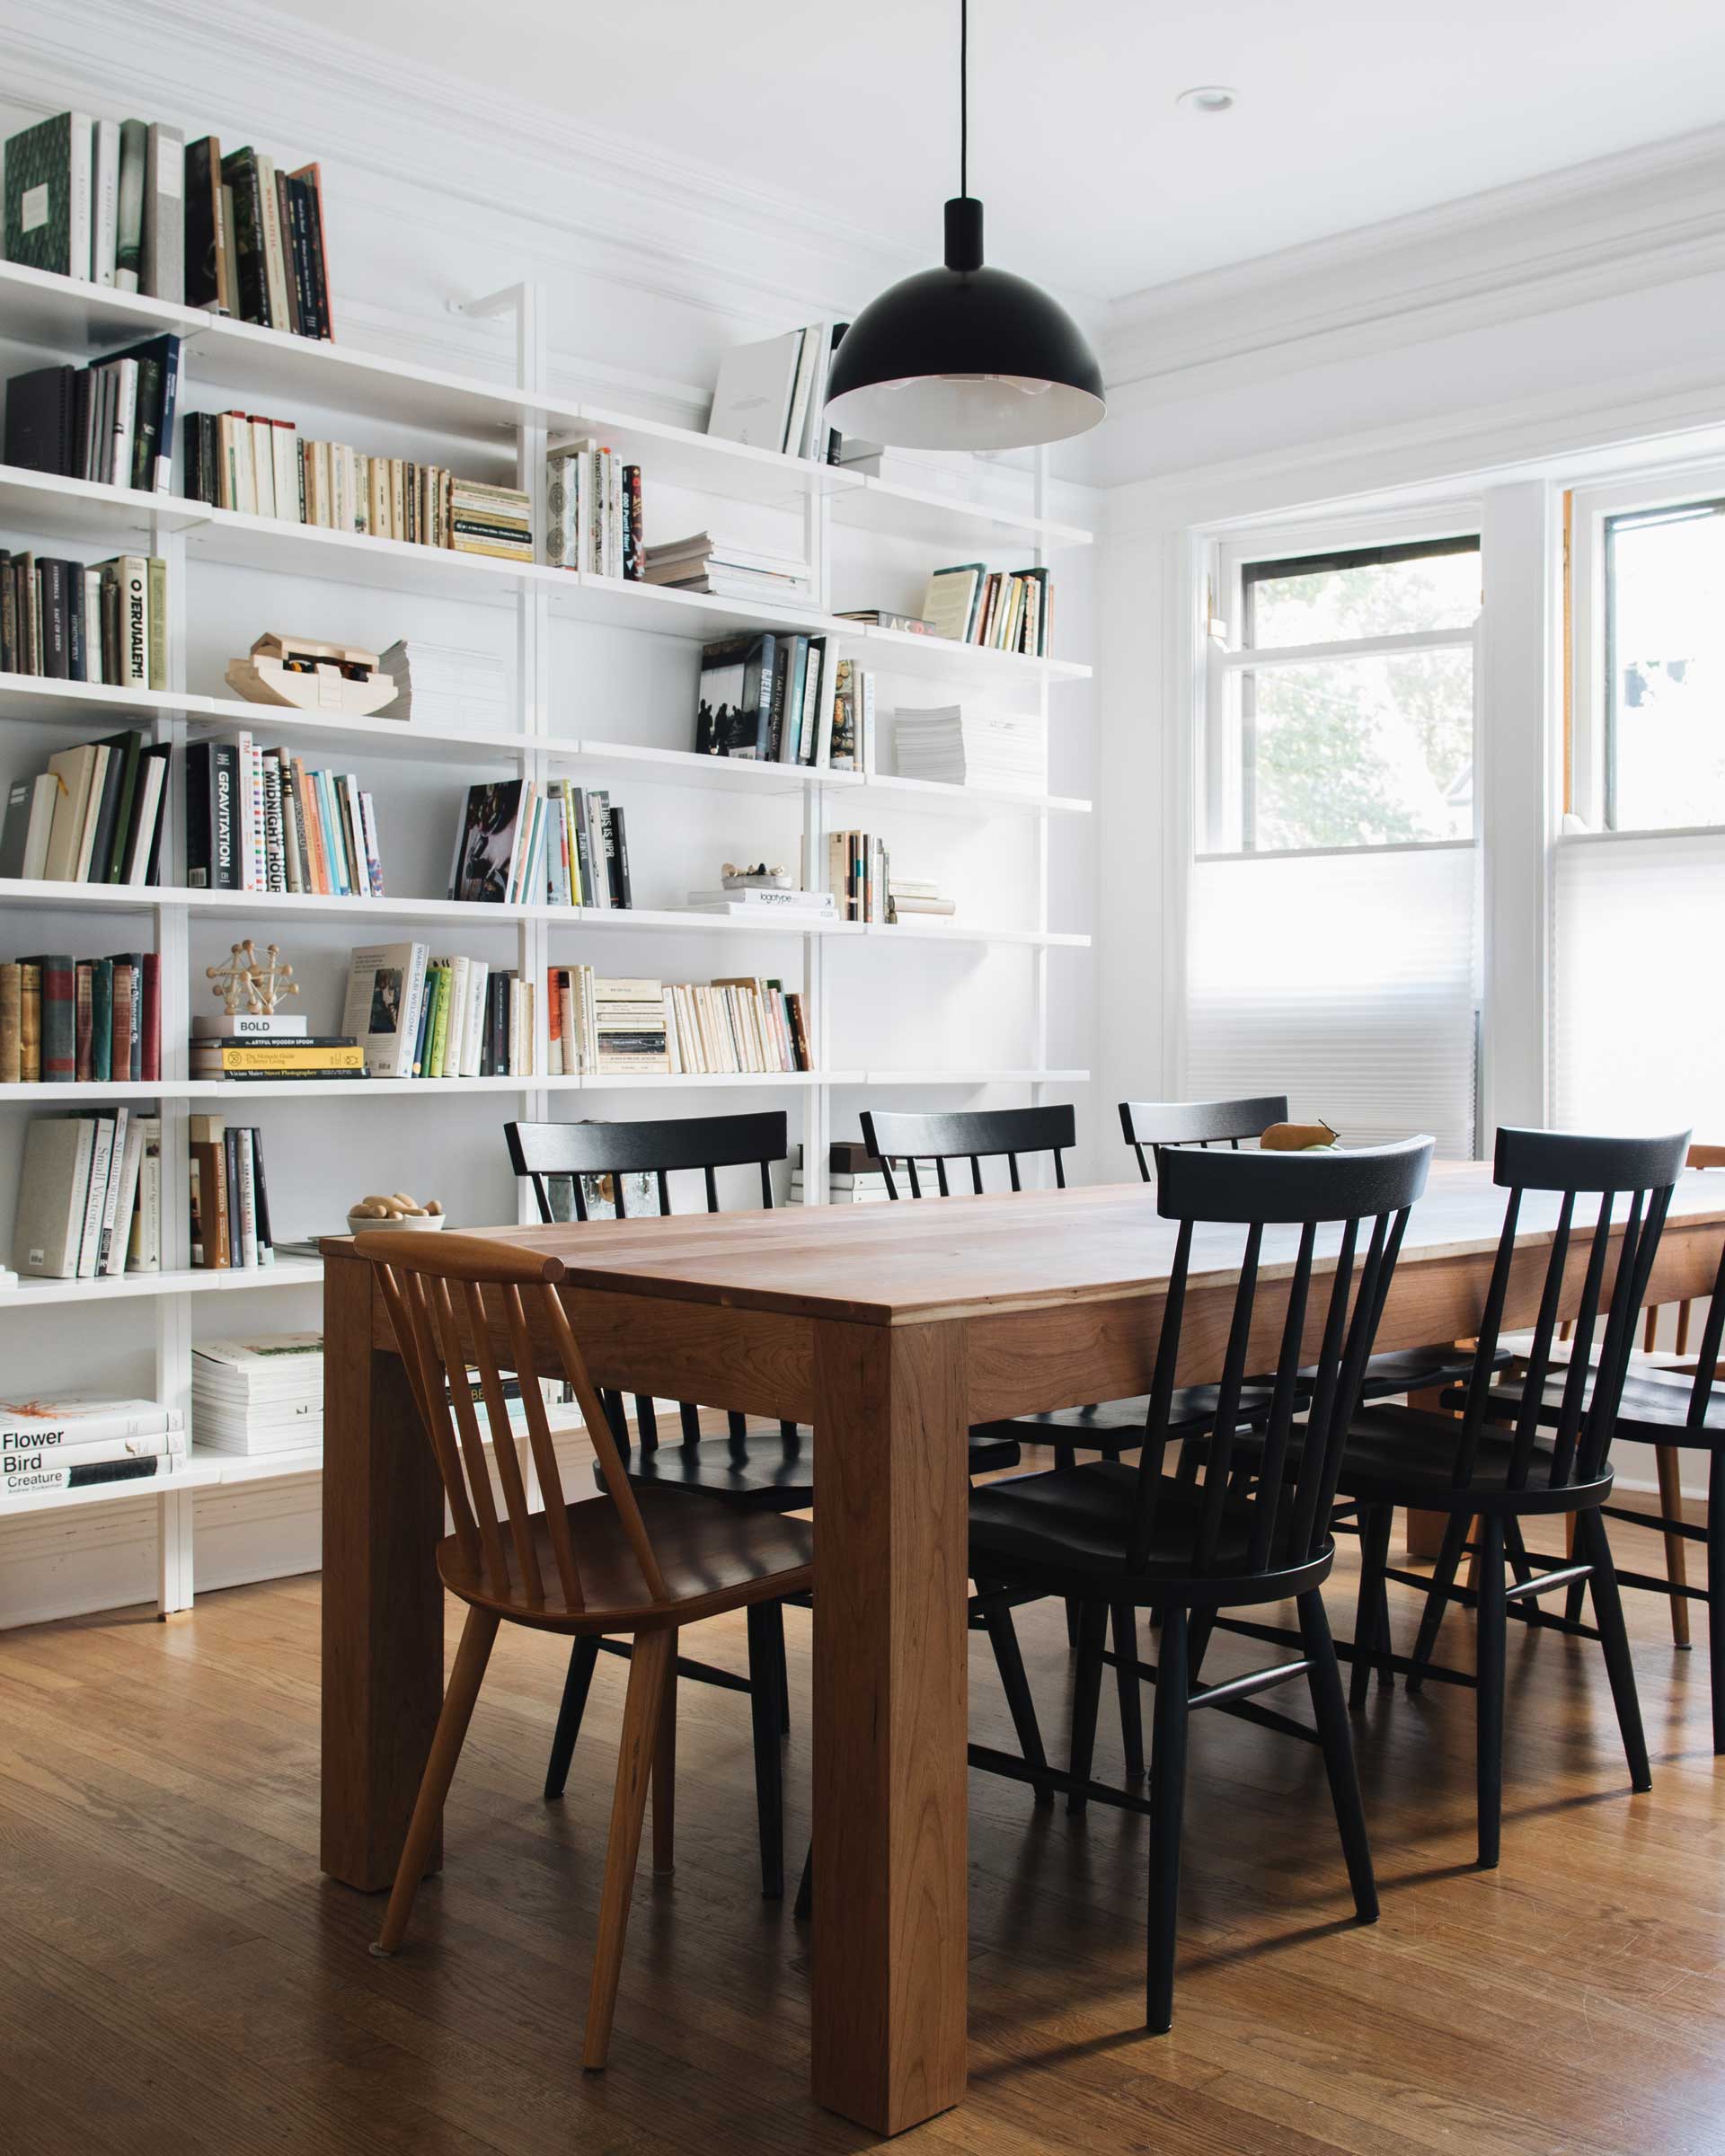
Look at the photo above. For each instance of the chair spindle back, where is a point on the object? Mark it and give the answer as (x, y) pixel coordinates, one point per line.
(993, 1134)
(1147, 1124)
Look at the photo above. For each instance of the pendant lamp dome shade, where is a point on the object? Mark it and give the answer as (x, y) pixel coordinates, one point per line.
(964, 357)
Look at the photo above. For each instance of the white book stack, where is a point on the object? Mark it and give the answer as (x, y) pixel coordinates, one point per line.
(260, 1395)
(954, 748)
(446, 686)
(867, 1188)
(78, 1443)
(755, 902)
(702, 563)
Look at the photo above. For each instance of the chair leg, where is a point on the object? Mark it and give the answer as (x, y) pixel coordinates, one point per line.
(1128, 1688)
(1323, 1679)
(471, 1657)
(1002, 1637)
(1199, 1625)
(1595, 1547)
(665, 1775)
(1074, 1624)
(582, 1656)
(1676, 1554)
(1576, 1592)
(805, 1900)
(1716, 1592)
(781, 1673)
(1489, 1695)
(766, 1642)
(1086, 1695)
(1167, 1805)
(1443, 1579)
(650, 1668)
(1371, 1610)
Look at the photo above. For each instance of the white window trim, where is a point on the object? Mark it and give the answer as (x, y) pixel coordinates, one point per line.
(1653, 487)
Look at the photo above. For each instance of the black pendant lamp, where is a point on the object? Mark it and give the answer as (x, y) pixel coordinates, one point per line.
(964, 357)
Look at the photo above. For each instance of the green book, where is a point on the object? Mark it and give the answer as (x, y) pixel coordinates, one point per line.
(440, 1022)
(48, 187)
(101, 1021)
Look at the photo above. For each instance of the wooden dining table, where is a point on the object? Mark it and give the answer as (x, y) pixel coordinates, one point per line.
(889, 1329)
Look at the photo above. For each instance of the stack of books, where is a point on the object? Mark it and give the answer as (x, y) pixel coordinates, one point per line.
(593, 511)
(111, 421)
(905, 895)
(444, 686)
(614, 1026)
(855, 1177)
(230, 1197)
(959, 748)
(131, 204)
(1007, 610)
(524, 842)
(94, 815)
(261, 467)
(761, 902)
(702, 563)
(857, 872)
(258, 820)
(418, 1016)
(85, 621)
(90, 1196)
(784, 698)
(48, 1445)
(251, 1051)
(771, 393)
(80, 1022)
(734, 1025)
(261, 1395)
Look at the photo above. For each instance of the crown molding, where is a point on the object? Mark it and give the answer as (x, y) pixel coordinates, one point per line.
(659, 224)
(1640, 217)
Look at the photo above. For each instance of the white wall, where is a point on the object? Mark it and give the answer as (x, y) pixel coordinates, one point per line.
(430, 197)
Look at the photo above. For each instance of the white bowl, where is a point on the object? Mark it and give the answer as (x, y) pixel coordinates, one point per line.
(358, 1225)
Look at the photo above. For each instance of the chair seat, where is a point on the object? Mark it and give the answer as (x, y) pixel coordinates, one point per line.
(762, 1472)
(1072, 1526)
(1114, 1427)
(1654, 1410)
(1421, 1370)
(1404, 1456)
(714, 1555)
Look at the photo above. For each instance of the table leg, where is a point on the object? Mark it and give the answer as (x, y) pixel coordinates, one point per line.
(383, 1601)
(890, 1653)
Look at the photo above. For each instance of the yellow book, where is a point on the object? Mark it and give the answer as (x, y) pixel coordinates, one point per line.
(278, 1056)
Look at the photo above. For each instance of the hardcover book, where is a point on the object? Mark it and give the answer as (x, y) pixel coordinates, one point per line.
(48, 170)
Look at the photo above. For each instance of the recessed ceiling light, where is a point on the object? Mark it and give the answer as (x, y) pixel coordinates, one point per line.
(1208, 97)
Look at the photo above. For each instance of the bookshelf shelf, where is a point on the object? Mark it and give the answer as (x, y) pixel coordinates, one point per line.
(947, 521)
(488, 424)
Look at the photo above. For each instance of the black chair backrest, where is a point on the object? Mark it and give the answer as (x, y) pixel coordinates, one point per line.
(1640, 1171)
(543, 1152)
(989, 1133)
(1367, 1195)
(1146, 1123)
(547, 1152)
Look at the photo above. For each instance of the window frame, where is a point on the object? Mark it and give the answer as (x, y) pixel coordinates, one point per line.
(1589, 798)
(1238, 563)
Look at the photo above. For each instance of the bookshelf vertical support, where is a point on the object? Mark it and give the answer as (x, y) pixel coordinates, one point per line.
(1039, 953)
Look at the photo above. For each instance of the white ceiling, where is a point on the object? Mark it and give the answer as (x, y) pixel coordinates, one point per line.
(1350, 111)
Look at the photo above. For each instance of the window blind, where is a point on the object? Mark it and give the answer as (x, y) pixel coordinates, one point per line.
(1348, 981)
(1640, 1030)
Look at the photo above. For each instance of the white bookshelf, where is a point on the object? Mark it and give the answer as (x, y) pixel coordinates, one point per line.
(281, 374)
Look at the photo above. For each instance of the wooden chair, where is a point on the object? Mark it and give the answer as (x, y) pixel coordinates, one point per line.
(756, 1468)
(1111, 1534)
(1491, 1464)
(645, 1562)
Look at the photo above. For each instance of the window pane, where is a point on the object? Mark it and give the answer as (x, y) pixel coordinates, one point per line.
(1322, 603)
(1360, 751)
(1665, 635)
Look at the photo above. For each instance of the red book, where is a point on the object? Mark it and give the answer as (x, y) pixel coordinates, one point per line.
(84, 990)
(121, 1065)
(60, 1019)
(150, 1065)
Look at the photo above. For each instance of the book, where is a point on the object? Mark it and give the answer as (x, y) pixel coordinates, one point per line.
(950, 601)
(757, 387)
(488, 842)
(48, 173)
(207, 1137)
(52, 1198)
(386, 990)
(163, 244)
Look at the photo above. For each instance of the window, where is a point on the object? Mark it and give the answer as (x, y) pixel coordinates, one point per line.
(1664, 702)
(1345, 717)
(1332, 940)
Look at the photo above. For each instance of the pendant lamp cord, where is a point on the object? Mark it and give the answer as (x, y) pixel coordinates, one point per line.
(964, 97)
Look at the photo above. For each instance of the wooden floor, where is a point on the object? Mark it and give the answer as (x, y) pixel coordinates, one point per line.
(175, 1977)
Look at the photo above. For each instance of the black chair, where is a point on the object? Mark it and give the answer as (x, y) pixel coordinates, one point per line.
(1663, 1409)
(1110, 1534)
(1492, 1463)
(758, 1467)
